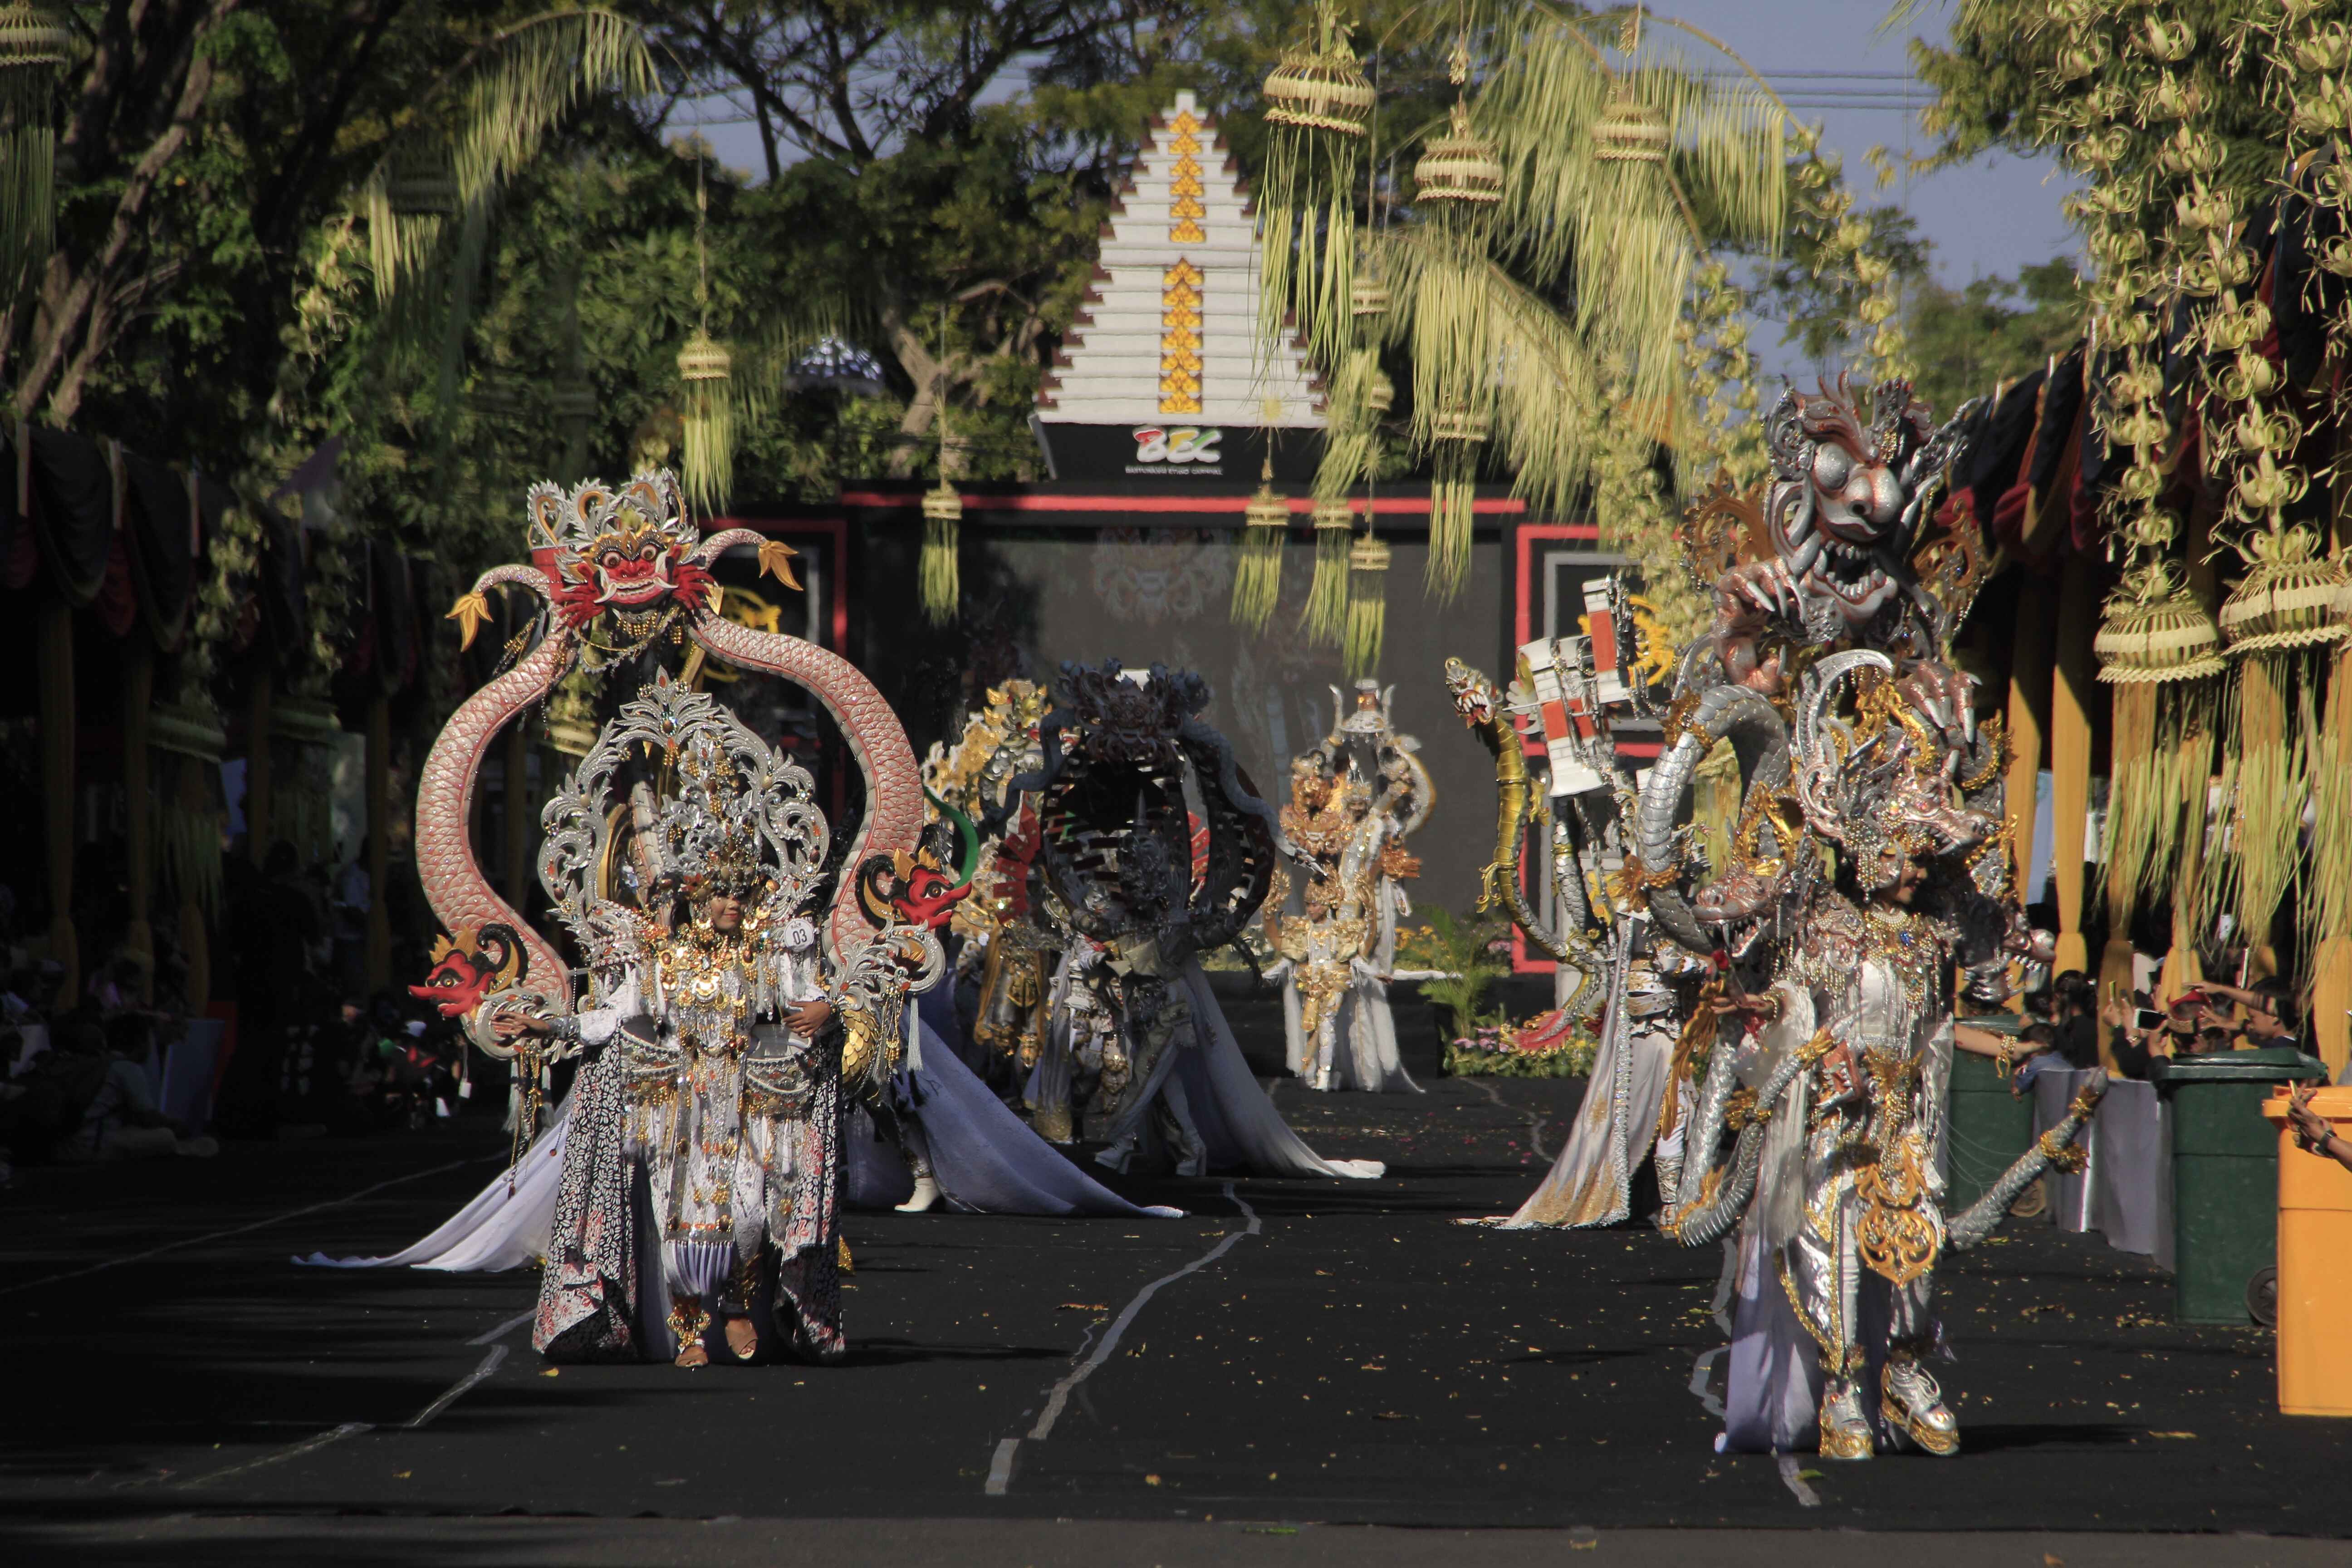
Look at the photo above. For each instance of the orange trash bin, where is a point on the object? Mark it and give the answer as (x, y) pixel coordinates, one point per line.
(2315, 1265)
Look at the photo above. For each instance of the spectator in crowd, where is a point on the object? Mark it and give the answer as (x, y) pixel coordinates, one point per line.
(2005, 1051)
(2042, 1041)
(2272, 1016)
(119, 1117)
(2076, 1019)
(2313, 1130)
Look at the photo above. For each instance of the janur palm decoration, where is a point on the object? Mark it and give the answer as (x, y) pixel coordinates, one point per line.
(1549, 271)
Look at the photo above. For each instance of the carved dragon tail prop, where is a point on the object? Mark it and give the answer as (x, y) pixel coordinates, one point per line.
(1758, 732)
(1724, 1191)
(461, 897)
(2055, 1147)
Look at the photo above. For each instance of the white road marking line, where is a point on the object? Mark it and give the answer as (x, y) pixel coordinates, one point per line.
(503, 1330)
(348, 1429)
(490, 1364)
(1535, 1119)
(1000, 1469)
(1806, 1496)
(240, 1230)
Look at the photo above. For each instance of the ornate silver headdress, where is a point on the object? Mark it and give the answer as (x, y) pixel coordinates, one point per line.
(728, 813)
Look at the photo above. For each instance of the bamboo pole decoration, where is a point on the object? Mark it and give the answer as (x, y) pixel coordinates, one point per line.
(2028, 720)
(2072, 688)
(57, 699)
(256, 763)
(139, 793)
(379, 849)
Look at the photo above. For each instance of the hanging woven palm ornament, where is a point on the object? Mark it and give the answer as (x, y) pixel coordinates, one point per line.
(707, 413)
(33, 51)
(707, 470)
(1629, 132)
(1257, 577)
(1322, 88)
(1367, 295)
(1319, 110)
(1368, 589)
(2277, 622)
(1327, 595)
(1458, 431)
(2160, 649)
(2287, 597)
(1459, 170)
(2156, 632)
(941, 579)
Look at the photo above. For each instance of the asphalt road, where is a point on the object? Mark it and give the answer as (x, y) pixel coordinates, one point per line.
(1294, 1359)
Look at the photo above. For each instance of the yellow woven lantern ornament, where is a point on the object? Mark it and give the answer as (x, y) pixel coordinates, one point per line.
(1322, 88)
(2287, 597)
(1459, 170)
(34, 48)
(941, 580)
(1629, 132)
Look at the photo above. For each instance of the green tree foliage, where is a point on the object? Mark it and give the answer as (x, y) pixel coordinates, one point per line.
(1971, 338)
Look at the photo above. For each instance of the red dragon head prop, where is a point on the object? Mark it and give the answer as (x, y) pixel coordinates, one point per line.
(469, 966)
(625, 548)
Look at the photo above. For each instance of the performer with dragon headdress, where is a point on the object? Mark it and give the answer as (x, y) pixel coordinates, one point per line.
(626, 562)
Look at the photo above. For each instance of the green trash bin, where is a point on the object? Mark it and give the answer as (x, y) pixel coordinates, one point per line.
(2224, 1175)
(1986, 1126)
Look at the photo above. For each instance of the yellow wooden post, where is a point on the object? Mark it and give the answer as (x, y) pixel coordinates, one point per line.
(57, 699)
(2072, 691)
(256, 762)
(138, 789)
(2028, 720)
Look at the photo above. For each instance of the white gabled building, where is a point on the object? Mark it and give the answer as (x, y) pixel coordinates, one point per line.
(1168, 334)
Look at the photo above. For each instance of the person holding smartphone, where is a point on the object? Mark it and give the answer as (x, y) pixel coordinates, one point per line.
(2312, 1130)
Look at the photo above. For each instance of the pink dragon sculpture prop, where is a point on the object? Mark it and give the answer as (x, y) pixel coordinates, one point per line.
(630, 551)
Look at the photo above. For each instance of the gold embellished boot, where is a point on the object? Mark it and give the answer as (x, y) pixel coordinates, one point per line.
(688, 1320)
(1913, 1406)
(1845, 1430)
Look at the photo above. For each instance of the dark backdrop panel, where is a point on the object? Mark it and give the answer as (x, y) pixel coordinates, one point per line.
(1035, 597)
